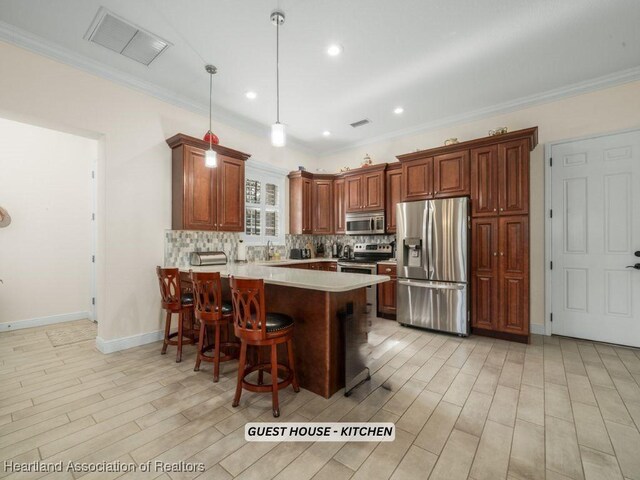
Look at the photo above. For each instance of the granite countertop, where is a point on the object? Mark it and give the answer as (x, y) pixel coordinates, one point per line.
(291, 277)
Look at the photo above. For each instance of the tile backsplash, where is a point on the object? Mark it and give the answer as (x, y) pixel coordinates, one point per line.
(180, 243)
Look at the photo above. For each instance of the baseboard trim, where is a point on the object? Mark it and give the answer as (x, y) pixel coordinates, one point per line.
(537, 329)
(124, 343)
(42, 321)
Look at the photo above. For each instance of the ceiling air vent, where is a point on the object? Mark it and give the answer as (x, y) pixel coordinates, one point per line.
(360, 123)
(125, 38)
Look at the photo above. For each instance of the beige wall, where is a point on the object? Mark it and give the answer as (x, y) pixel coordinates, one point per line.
(606, 110)
(134, 165)
(45, 185)
(134, 182)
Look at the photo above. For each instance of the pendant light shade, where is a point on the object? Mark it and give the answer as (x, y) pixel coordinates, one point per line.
(278, 134)
(210, 156)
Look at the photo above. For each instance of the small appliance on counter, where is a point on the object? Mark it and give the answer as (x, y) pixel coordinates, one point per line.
(241, 257)
(201, 259)
(295, 254)
(319, 249)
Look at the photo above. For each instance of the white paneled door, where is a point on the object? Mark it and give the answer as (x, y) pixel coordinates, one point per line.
(595, 231)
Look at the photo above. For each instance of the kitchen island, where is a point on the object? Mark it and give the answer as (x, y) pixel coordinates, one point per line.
(325, 307)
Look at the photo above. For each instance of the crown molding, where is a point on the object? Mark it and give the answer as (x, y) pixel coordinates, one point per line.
(29, 41)
(586, 86)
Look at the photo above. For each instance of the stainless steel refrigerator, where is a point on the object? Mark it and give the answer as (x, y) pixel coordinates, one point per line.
(432, 250)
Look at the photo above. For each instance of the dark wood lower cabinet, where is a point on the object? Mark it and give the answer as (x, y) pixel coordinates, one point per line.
(387, 290)
(500, 275)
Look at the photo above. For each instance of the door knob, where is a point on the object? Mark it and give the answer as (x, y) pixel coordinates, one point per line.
(636, 266)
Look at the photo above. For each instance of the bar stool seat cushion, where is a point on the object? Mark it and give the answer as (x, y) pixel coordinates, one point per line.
(278, 321)
(187, 299)
(227, 307)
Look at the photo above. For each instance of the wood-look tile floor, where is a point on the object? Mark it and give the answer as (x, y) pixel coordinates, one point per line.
(464, 408)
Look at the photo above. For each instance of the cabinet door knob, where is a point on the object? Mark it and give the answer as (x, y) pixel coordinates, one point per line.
(495, 254)
(502, 209)
(502, 254)
(495, 209)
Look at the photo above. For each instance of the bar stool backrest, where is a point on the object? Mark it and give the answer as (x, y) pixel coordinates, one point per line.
(249, 312)
(207, 295)
(169, 280)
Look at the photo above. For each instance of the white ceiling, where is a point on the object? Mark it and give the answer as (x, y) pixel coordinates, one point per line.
(438, 59)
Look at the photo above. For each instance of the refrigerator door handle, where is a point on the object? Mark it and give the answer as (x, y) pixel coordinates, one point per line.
(429, 246)
(432, 285)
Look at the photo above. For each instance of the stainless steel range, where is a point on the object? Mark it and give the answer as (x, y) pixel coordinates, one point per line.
(365, 256)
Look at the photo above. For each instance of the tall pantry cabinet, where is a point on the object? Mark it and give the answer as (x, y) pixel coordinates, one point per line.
(500, 235)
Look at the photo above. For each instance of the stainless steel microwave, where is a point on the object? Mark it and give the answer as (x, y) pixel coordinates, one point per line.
(365, 223)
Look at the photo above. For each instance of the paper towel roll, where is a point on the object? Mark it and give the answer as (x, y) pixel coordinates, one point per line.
(242, 251)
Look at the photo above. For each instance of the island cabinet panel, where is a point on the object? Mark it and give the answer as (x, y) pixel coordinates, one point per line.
(300, 203)
(339, 206)
(206, 198)
(322, 206)
(230, 193)
(484, 181)
(451, 174)
(417, 180)
(393, 195)
(387, 290)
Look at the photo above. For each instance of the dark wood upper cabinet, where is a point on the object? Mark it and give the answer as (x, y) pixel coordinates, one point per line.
(513, 246)
(206, 198)
(364, 189)
(484, 278)
(230, 193)
(322, 201)
(373, 191)
(417, 180)
(484, 181)
(339, 206)
(393, 195)
(300, 203)
(198, 192)
(451, 174)
(353, 193)
(513, 171)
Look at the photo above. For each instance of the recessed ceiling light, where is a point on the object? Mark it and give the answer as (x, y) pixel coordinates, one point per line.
(326, 133)
(398, 110)
(251, 95)
(334, 50)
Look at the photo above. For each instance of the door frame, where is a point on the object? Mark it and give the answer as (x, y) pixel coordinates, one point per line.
(548, 250)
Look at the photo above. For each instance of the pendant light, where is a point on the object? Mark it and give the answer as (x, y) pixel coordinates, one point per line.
(210, 157)
(278, 133)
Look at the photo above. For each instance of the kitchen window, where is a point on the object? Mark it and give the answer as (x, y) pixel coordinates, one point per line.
(264, 204)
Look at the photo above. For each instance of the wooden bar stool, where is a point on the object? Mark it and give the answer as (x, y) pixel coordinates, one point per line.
(211, 311)
(254, 326)
(174, 301)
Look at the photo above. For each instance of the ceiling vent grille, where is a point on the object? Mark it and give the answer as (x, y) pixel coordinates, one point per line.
(125, 38)
(360, 123)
